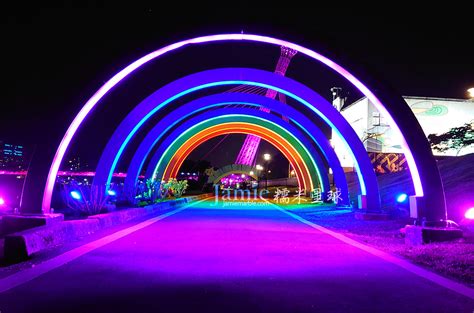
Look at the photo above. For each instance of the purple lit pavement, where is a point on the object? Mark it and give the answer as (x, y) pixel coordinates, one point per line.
(230, 259)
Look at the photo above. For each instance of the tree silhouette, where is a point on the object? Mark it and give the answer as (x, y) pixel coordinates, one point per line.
(456, 138)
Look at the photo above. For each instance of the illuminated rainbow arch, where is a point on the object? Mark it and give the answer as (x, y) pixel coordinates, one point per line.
(184, 111)
(201, 128)
(320, 108)
(174, 161)
(425, 175)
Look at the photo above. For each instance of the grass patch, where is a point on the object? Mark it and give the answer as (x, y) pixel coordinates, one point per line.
(454, 259)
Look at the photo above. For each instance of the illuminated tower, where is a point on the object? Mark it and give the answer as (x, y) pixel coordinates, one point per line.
(249, 148)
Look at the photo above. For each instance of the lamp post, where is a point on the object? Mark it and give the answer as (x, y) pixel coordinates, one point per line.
(259, 171)
(267, 158)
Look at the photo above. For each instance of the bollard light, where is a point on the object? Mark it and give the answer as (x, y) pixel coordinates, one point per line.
(75, 195)
(469, 214)
(402, 197)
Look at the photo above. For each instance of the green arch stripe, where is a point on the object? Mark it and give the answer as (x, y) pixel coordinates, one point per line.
(314, 172)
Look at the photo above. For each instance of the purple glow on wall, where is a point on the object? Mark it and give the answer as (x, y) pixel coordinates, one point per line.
(90, 104)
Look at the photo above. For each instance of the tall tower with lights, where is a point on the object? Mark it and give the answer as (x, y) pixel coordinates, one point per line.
(249, 149)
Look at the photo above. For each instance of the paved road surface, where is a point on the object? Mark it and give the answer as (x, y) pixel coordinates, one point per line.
(230, 259)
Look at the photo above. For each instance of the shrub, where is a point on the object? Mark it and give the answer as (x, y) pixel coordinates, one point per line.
(178, 188)
(92, 199)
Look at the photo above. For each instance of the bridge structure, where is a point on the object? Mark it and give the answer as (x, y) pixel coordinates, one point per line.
(296, 134)
(250, 147)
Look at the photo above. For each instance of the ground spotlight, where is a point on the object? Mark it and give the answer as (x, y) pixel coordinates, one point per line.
(111, 192)
(402, 197)
(469, 214)
(75, 195)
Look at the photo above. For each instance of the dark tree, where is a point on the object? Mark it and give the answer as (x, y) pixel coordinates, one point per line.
(456, 138)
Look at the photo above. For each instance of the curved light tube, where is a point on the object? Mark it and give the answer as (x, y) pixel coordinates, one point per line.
(248, 119)
(277, 140)
(90, 104)
(162, 130)
(183, 112)
(172, 165)
(219, 77)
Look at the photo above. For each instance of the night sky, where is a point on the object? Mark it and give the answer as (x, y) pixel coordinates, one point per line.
(55, 58)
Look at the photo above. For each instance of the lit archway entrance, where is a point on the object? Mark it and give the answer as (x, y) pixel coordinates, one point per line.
(425, 175)
(306, 97)
(301, 126)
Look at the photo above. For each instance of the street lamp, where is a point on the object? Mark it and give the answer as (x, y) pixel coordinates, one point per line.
(259, 171)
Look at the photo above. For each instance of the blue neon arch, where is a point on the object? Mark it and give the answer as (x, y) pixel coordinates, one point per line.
(425, 174)
(292, 131)
(160, 130)
(229, 115)
(240, 76)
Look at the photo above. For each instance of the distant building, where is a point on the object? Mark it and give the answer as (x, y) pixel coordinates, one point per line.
(75, 164)
(435, 115)
(11, 156)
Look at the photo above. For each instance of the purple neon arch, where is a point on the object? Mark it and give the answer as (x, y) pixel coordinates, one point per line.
(90, 104)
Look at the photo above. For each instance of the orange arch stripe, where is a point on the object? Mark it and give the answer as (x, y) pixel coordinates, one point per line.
(186, 149)
(302, 172)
